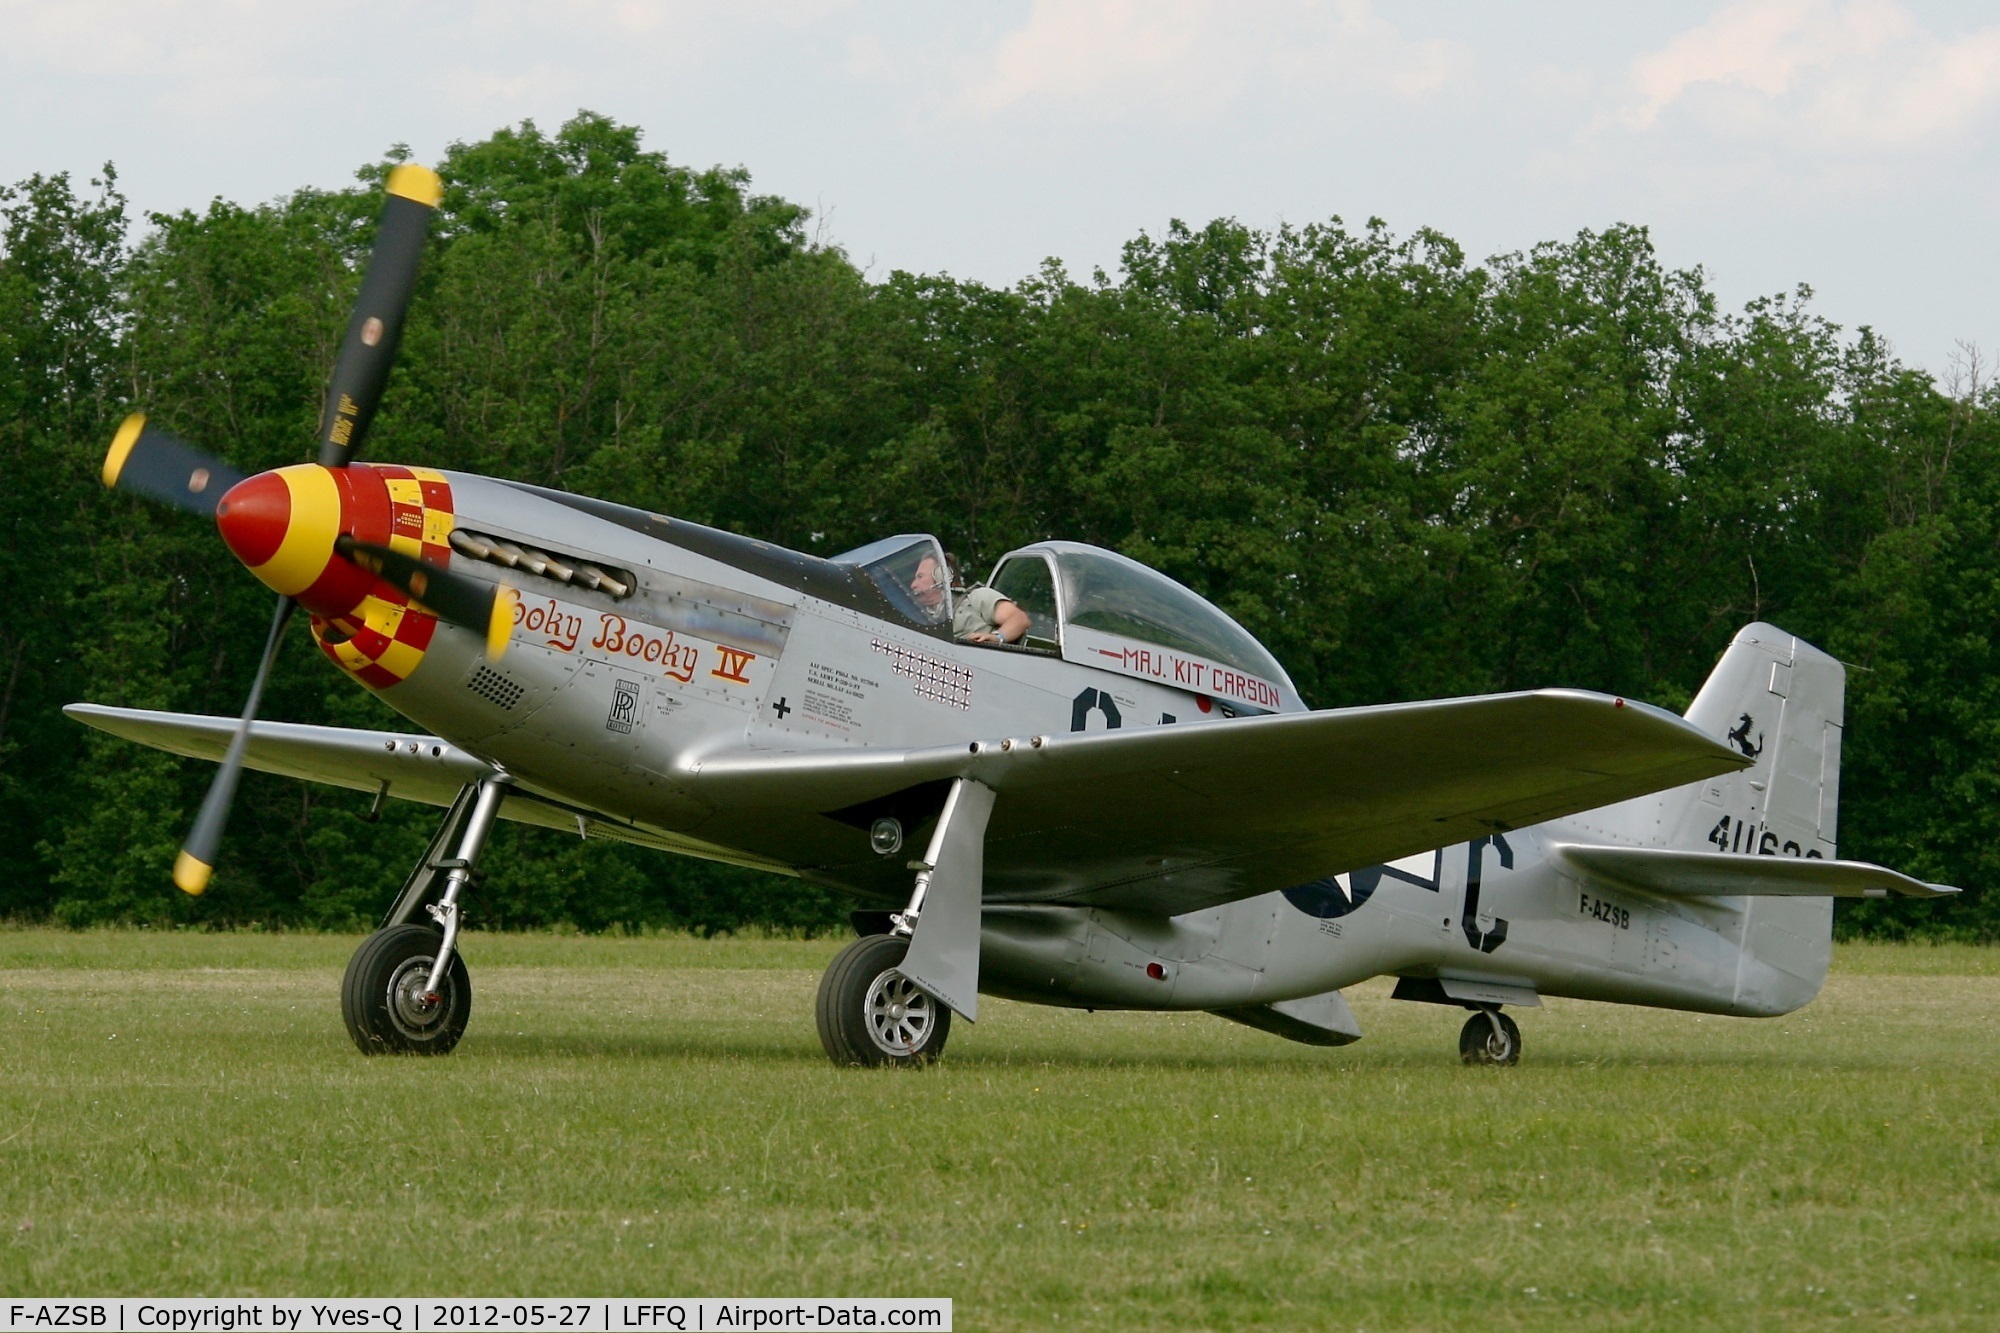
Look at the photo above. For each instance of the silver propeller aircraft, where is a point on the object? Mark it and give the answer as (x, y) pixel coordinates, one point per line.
(1128, 807)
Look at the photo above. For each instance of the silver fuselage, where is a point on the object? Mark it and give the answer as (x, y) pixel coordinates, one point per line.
(610, 705)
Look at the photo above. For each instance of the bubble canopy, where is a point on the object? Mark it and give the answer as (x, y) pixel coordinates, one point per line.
(1105, 610)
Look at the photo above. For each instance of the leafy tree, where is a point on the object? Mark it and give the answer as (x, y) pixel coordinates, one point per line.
(61, 317)
(1408, 473)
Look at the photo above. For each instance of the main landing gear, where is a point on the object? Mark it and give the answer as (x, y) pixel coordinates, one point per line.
(1489, 1037)
(888, 999)
(871, 1014)
(406, 988)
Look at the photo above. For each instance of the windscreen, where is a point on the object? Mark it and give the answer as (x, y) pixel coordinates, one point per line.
(909, 570)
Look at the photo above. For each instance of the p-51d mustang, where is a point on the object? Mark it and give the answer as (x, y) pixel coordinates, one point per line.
(1131, 808)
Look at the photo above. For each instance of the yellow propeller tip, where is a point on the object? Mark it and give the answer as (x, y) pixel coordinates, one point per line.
(121, 447)
(500, 628)
(419, 183)
(190, 874)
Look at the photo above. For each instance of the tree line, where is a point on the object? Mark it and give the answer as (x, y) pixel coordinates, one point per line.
(1409, 473)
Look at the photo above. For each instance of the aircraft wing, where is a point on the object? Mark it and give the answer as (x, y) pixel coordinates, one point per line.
(426, 769)
(1174, 818)
(1683, 874)
(417, 768)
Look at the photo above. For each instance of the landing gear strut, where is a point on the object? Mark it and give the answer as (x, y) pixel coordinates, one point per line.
(406, 988)
(1489, 1037)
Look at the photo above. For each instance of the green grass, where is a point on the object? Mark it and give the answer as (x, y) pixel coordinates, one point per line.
(183, 1114)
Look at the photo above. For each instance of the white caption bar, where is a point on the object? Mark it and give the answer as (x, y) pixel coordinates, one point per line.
(449, 1314)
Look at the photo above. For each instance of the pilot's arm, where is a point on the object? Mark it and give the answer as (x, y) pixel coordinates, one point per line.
(1010, 622)
(994, 618)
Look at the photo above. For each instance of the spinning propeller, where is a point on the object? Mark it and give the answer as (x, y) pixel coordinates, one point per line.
(292, 526)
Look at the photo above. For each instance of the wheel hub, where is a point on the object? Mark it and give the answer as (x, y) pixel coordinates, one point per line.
(900, 1018)
(412, 1007)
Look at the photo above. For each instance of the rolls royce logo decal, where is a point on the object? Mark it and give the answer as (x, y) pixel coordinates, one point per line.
(624, 706)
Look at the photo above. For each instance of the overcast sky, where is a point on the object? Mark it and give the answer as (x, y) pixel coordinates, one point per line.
(1847, 144)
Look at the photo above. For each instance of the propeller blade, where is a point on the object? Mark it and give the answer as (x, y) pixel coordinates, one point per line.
(473, 603)
(152, 463)
(197, 859)
(377, 323)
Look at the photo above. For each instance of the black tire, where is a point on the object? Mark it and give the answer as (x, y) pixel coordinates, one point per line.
(871, 1014)
(1479, 1044)
(380, 997)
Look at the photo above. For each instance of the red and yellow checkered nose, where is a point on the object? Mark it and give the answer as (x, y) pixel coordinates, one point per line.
(283, 525)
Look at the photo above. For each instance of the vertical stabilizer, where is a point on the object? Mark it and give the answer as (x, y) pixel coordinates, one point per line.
(1777, 700)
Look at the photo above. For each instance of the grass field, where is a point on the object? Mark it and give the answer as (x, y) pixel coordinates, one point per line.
(183, 1114)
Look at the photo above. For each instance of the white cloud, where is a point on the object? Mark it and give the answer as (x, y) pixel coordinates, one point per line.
(1863, 74)
(1189, 57)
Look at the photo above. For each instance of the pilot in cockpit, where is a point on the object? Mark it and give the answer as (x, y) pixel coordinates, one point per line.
(979, 614)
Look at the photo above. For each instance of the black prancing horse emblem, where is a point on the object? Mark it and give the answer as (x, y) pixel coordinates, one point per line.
(1740, 738)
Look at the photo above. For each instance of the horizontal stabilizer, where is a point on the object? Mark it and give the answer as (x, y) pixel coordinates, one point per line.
(1679, 874)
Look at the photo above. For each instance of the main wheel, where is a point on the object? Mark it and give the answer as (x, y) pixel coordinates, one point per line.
(1489, 1038)
(871, 1014)
(383, 1000)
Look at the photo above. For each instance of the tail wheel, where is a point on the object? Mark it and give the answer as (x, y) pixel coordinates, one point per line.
(871, 1014)
(1489, 1037)
(384, 1000)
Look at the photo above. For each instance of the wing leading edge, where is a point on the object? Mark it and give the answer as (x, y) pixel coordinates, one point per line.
(417, 768)
(425, 769)
(1177, 818)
